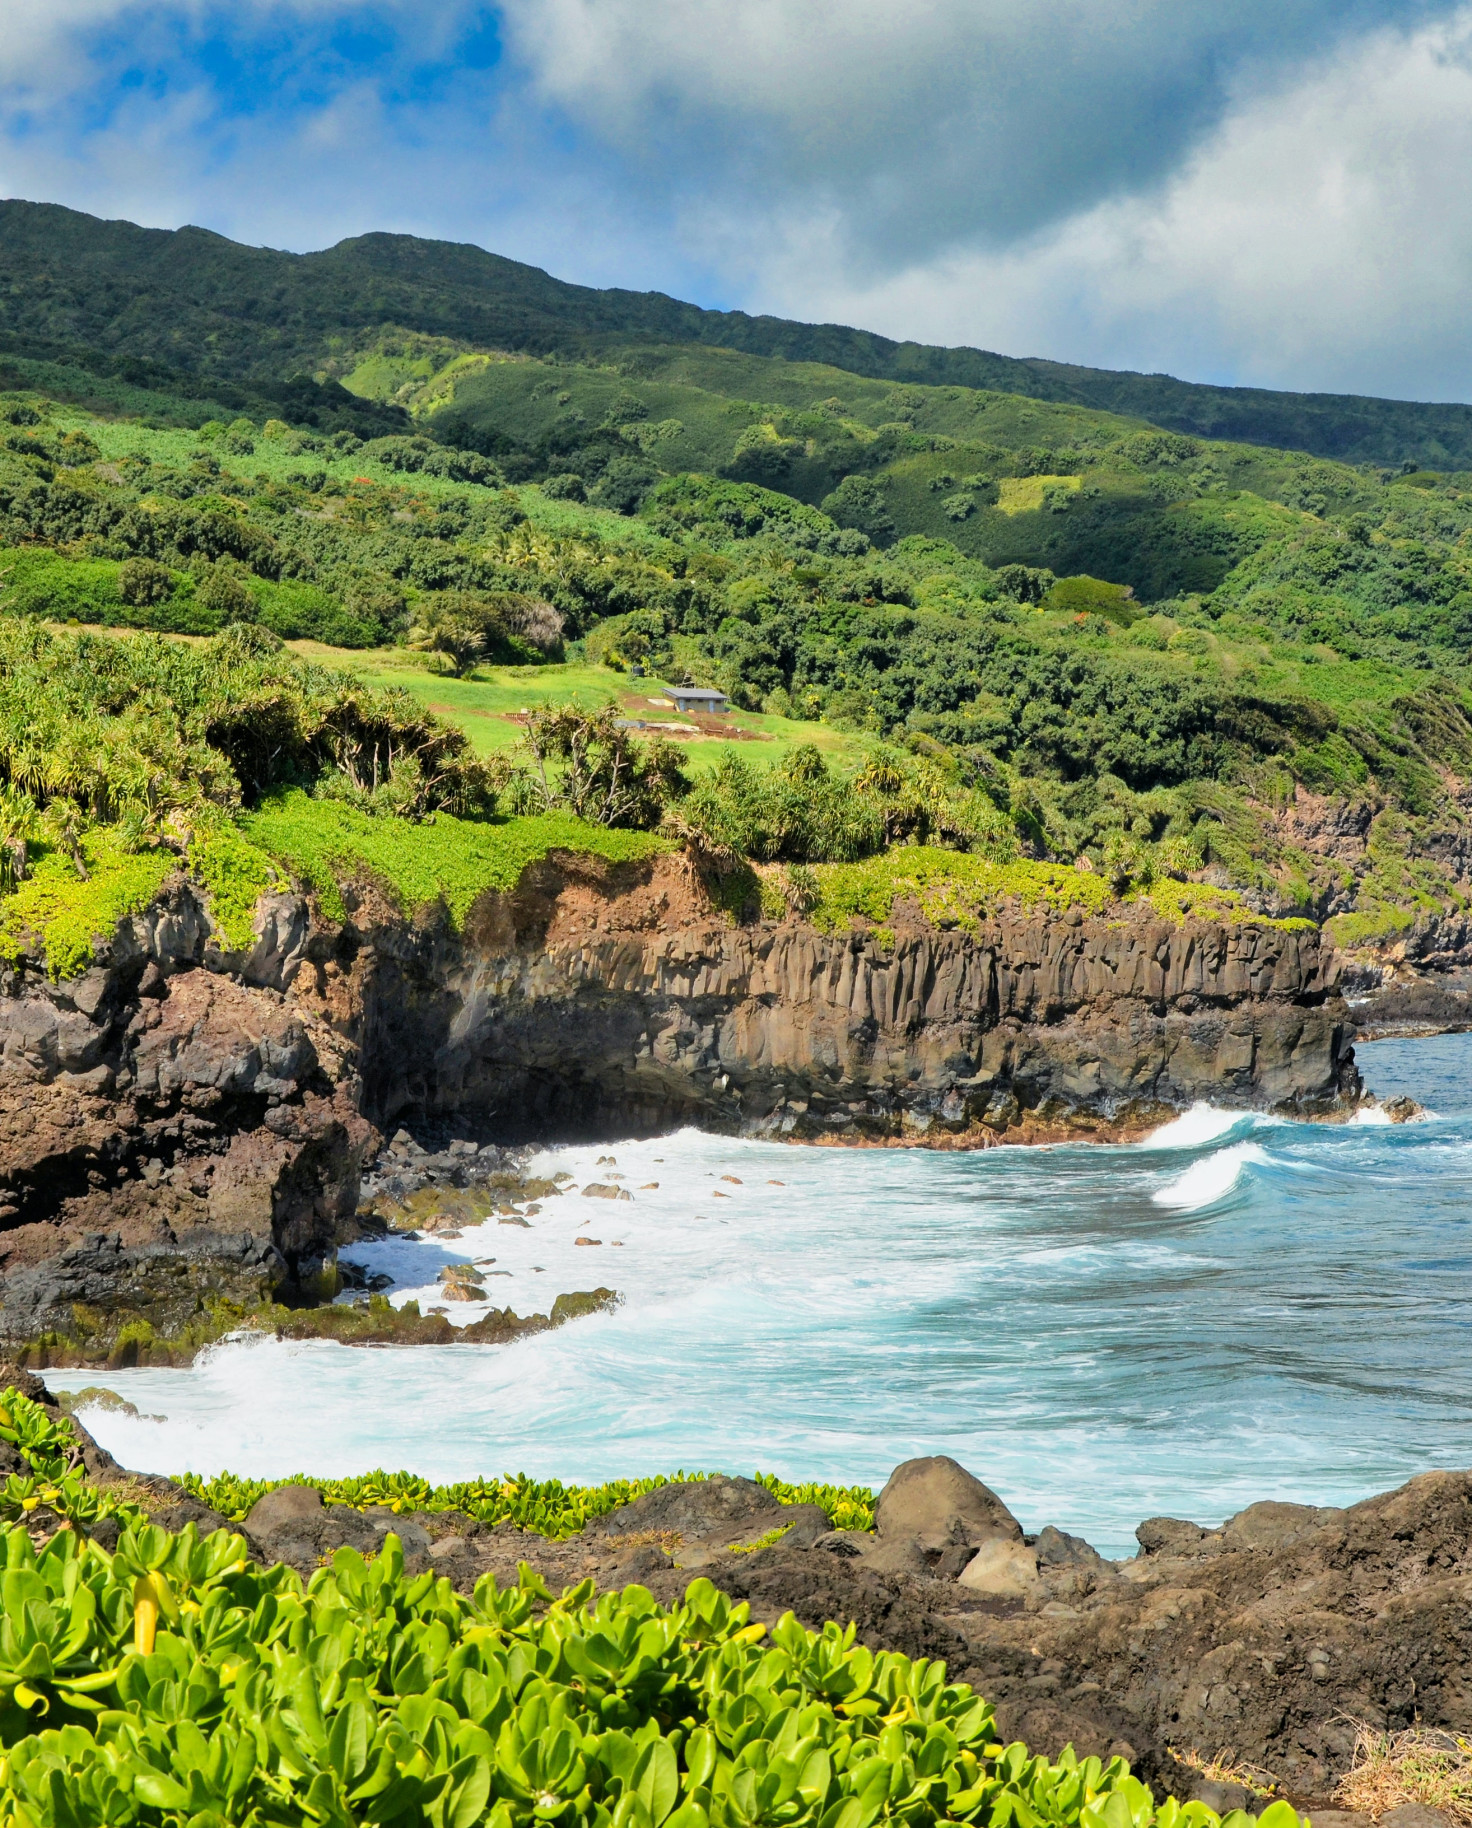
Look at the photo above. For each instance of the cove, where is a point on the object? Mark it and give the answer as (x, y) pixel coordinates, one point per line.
(1239, 1308)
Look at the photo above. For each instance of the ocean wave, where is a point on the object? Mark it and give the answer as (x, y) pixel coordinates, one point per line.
(1195, 1128)
(1211, 1179)
(1280, 1322)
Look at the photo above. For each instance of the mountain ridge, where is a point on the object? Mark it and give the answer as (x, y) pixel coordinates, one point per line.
(195, 300)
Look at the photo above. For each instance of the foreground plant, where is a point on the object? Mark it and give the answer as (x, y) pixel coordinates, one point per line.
(174, 1683)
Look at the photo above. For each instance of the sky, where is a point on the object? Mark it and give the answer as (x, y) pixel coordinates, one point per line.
(1267, 192)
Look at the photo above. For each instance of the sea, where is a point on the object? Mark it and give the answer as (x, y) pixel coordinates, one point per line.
(1238, 1307)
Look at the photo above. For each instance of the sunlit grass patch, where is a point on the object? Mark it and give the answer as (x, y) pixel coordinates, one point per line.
(54, 915)
(324, 843)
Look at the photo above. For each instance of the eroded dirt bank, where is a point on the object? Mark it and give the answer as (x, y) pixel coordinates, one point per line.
(181, 1127)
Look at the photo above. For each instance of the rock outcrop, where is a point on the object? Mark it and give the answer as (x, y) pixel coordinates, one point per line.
(175, 1128)
(181, 1126)
(601, 1000)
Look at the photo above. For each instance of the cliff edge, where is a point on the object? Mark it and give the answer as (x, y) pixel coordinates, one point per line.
(182, 1125)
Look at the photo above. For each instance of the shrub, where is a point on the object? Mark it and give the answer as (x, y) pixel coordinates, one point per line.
(142, 582)
(226, 597)
(586, 763)
(797, 813)
(173, 1681)
(568, 486)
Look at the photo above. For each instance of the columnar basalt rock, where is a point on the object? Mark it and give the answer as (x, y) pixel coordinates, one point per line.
(1025, 1024)
(181, 1126)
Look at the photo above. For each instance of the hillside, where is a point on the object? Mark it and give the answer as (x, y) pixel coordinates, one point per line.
(1299, 734)
(1030, 630)
(204, 306)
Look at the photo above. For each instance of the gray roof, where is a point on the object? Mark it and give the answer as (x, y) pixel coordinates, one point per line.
(693, 692)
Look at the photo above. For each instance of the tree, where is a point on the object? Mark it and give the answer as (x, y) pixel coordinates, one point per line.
(227, 597)
(588, 764)
(65, 825)
(859, 502)
(18, 824)
(453, 624)
(144, 582)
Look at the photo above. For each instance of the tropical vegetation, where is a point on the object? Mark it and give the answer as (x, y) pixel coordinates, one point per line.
(170, 1682)
(1017, 629)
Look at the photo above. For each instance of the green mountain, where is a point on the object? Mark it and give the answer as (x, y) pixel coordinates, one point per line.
(946, 614)
(196, 303)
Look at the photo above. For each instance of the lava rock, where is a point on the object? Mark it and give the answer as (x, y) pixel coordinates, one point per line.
(938, 1504)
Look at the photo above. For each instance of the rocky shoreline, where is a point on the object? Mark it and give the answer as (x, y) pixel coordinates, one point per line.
(185, 1131)
(1277, 1634)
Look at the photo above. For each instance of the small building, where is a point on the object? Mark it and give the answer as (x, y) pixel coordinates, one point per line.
(697, 698)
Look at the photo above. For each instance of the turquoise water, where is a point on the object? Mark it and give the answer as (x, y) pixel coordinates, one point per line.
(1239, 1308)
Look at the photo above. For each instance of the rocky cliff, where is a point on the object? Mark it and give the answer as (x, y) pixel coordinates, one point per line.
(181, 1125)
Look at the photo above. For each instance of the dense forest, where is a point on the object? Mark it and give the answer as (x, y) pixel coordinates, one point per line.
(1040, 630)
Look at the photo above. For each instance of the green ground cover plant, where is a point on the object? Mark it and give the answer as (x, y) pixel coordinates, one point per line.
(170, 1682)
(953, 890)
(450, 862)
(545, 1506)
(55, 914)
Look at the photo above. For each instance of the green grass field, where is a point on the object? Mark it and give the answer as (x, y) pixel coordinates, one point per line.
(484, 704)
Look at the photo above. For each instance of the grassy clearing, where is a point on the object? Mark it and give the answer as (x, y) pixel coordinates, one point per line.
(1025, 494)
(484, 704)
(448, 861)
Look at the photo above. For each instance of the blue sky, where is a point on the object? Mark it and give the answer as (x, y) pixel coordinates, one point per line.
(1266, 191)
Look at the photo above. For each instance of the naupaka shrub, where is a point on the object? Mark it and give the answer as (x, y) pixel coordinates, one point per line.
(172, 1682)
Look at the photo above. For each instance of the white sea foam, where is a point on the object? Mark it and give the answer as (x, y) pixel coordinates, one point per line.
(1193, 1129)
(1209, 1180)
(1036, 1315)
(1371, 1115)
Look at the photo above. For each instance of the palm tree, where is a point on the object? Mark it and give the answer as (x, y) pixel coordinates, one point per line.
(17, 825)
(65, 825)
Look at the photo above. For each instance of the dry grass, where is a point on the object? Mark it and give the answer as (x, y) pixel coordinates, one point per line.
(1421, 1765)
(668, 1540)
(1227, 1768)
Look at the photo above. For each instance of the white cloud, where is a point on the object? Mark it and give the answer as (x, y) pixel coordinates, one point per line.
(1321, 238)
(915, 123)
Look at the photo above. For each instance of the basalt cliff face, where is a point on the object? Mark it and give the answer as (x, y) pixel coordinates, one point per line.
(180, 1125)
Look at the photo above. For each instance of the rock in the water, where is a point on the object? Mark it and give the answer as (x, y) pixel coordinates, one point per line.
(940, 1505)
(602, 1190)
